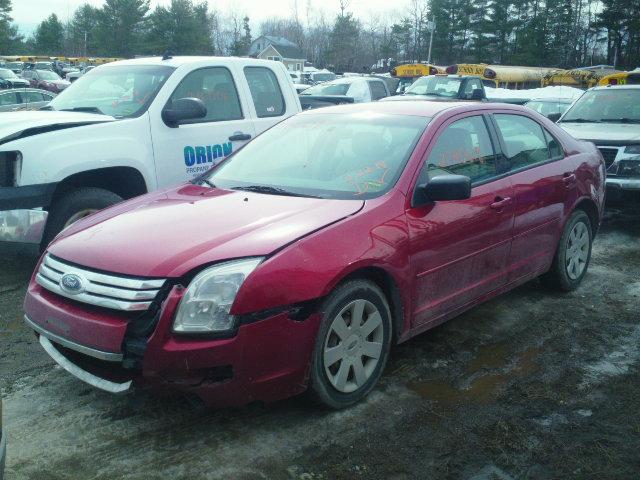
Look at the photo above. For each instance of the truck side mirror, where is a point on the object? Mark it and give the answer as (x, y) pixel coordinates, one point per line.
(554, 117)
(442, 187)
(476, 94)
(176, 112)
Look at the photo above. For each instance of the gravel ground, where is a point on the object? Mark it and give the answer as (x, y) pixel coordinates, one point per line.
(530, 385)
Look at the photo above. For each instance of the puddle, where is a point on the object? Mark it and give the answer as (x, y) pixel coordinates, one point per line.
(484, 387)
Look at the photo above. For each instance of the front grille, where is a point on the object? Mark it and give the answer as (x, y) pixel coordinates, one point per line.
(609, 155)
(104, 290)
(629, 168)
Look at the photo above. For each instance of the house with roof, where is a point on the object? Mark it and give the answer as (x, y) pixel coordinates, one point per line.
(268, 47)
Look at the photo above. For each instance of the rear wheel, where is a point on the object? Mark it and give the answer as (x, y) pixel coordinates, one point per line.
(75, 205)
(352, 346)
(573, 254)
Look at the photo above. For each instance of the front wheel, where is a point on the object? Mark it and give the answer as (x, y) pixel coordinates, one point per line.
(352, 345)
(572, 254)
(75, 205)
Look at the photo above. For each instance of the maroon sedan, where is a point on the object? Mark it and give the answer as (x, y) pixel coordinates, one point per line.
(46, 80)
(297, 262)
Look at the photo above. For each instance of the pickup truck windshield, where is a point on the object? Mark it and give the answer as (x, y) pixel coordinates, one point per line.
(343, 156)
(5, 73)
(436, 86)
(610, 106)
(48, 75)
(121, 91)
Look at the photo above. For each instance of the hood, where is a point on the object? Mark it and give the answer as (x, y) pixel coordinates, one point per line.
(14, 125)
(603, 132)
(167, 234)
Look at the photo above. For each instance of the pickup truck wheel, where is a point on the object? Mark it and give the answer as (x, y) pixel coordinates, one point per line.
(573, 254)
(73, 206)
(352, 345)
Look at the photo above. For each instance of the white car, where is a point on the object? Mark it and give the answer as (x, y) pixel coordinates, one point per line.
(610, 117)
(344, 90)
(134, 126)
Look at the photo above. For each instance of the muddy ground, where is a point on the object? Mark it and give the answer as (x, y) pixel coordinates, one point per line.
(532, 385)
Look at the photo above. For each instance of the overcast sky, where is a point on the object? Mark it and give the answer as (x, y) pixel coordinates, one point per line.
(29, 13)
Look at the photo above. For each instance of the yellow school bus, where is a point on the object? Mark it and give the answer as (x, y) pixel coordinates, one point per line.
(410, 72)
(583, 77)
(502, 76)
(622, 78)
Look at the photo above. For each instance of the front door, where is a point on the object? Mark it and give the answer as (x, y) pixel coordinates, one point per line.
(459, 248)
(195, 146)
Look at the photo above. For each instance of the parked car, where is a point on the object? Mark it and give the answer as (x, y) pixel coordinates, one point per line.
(15, 67)
(552, 108)
(447, 88)
(344, 90)
(8, 79)
(610, 117)
(297, 262)
(24, 99)
(3, 444)
(300, 87)
(46, 80)
(72, 76)
(134, 126)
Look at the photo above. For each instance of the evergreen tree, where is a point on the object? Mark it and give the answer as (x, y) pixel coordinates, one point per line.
(49, 36)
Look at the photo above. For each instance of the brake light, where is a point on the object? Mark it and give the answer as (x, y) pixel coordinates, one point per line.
(393, 72)
(433, 71)
(613, 81)
(452, 69)
(488, 73)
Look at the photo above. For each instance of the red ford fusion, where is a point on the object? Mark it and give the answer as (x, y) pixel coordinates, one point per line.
(297, 262)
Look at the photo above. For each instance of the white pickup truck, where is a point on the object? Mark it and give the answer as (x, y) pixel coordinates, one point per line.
(131, 127)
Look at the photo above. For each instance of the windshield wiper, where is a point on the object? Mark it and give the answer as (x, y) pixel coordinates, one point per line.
(580, 120)
(620, 120)
(272, 191)
(200, 181)
(46, 107)
(84, 109)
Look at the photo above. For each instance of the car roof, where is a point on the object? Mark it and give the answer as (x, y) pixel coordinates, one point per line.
(615, 87)
(186, 60)
(414, 108)
(553, 99)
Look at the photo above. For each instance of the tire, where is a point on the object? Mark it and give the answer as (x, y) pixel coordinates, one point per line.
(342, 383)
(76, 203)
(565, 274)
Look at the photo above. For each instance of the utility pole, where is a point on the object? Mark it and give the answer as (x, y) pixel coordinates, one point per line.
(85, 44)
(432, 27)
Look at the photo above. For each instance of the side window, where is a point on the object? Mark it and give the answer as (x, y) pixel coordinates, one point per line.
(463, 148)
(473, 84)
(8, 99)
(265, 91)
(216, 88)
(30, 97)
(377, 90)
(555, 149)
(524, 140)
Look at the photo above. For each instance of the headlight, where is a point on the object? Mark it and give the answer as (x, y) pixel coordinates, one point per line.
(632, 149)
(205, 306)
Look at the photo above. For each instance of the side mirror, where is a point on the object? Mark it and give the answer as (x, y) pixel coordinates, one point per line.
(476, 94)
(554, 117)
(183, 109)
(443, 187)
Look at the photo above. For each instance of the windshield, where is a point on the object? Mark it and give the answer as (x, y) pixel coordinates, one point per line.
(6, 73)
(48, 75)
(436, 86)
(343, 156)
(610, 105)
(328, 89)
(14, 65)
(120, 91)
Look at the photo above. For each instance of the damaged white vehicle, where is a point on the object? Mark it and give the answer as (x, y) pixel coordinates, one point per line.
(610, 117)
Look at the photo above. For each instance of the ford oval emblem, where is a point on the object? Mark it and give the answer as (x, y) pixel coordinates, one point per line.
(71, 283)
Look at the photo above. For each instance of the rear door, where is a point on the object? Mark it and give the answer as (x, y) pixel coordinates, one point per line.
(543, 182)
(9, 102)
(186, 151)
(378, 89)
(266, 96)
(459, 249)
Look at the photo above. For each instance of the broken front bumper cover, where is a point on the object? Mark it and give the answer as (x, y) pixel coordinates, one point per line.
(22, 217)
(49, 340)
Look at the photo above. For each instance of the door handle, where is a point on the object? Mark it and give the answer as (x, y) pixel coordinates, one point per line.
(239, 136)
(568, 178)
(500, 202)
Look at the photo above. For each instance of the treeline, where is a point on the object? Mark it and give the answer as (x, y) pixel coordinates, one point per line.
(562, 33)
